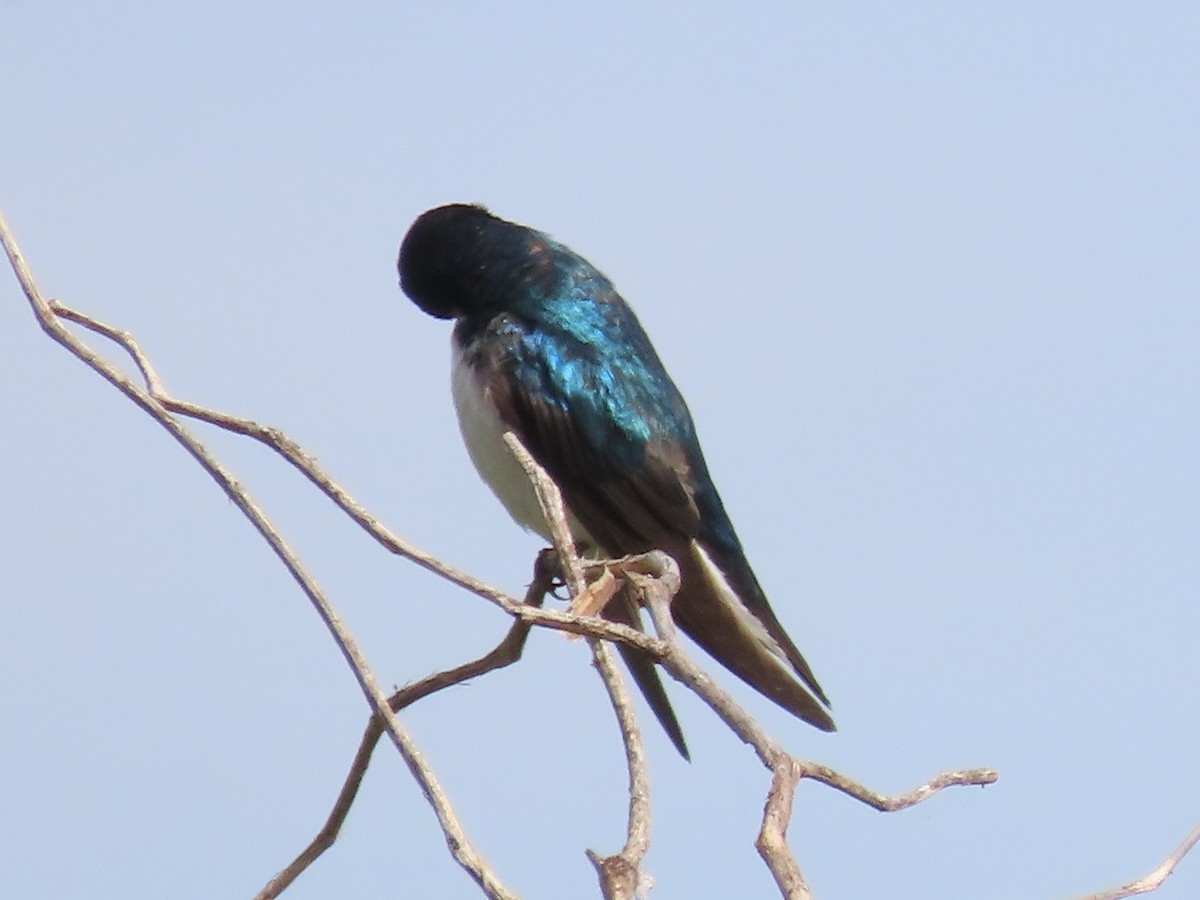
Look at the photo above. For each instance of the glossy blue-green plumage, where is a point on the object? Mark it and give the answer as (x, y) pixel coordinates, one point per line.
(547, 348)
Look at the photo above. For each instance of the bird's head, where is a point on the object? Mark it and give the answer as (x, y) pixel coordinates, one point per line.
(460, 260)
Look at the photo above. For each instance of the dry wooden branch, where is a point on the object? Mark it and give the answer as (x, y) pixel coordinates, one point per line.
(505, 653)
(159, 404)
(306, 464)
(620, 874)
(50, 318)
(1155, 879)
(655, 576)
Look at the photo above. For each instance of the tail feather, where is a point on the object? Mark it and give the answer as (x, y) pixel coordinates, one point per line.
(644, 670)
(748, 641)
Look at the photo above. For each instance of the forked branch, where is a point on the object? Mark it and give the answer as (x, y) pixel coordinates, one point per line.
(505, 653)
(50, 317)
(654, 576)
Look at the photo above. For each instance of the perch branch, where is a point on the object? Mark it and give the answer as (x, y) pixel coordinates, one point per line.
(505, 653)
(303, 462)
(1155, 879)
(620, 874)
(49, 319)
(655, 576)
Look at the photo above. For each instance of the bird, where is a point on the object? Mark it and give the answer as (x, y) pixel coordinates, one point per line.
(544, 346)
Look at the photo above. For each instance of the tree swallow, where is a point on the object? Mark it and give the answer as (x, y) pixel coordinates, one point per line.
(544, 347)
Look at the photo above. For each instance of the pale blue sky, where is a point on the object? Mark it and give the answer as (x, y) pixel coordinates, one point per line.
(926, 273)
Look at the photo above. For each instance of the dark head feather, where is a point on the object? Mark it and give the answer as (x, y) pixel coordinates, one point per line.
(459, 261)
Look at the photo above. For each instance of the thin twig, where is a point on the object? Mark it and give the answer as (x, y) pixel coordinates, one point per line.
(772, 841)
(303, 462)
(884, 803)
(289, 450)
(620, 874)
(1155, 879)
(656, 577)
(505, 653)
(456, 838)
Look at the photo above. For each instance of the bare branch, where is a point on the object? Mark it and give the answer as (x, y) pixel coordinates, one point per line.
(771, 842)
(51, 323)
(550, 500)
(884, 803)
(289, 450)
(307, 466)
(505, 653)
(1155, 879)
(654, 575)
(620, 874)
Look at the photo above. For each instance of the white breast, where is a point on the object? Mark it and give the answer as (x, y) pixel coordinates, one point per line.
(482, 431)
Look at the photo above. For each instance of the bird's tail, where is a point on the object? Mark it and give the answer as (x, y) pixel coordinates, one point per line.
(623, 609)
(722, 608)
